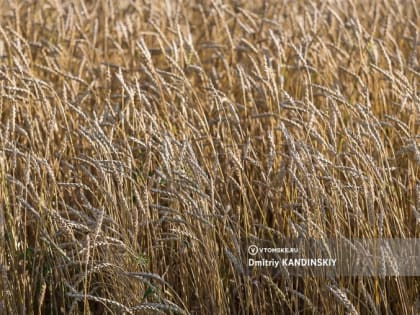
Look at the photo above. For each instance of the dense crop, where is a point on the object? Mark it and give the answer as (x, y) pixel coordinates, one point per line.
(142, 142)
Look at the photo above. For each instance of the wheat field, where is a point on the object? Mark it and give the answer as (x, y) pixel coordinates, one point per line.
(143, 142)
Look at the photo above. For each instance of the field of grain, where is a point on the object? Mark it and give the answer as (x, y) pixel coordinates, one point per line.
(143, 143)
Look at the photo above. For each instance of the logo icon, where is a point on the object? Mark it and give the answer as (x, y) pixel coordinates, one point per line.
(253, 250)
